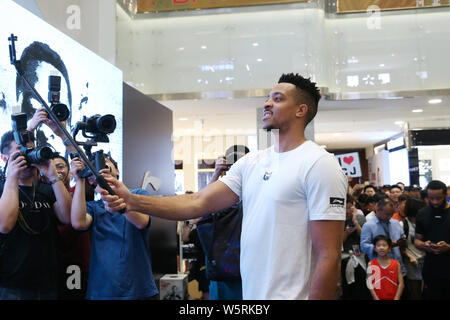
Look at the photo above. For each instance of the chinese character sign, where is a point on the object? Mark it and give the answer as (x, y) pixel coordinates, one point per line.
(349, 163)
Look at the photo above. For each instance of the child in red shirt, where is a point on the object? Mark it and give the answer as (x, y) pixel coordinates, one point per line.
(385, 280)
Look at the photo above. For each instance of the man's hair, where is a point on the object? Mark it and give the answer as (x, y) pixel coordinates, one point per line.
(395, 186)
(58, 156)
(368, 187)
(412, 207)
(363, 199)
(350, 198)
(402, 197)
(309, 94)
(383, 202)
(382, 237)
(7, 138)
(437, 185)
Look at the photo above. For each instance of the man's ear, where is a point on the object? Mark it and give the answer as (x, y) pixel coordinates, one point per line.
(302, 110)
(4, 158)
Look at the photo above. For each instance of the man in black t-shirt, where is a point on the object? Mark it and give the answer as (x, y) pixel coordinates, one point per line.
(433, 236)
(28, 216)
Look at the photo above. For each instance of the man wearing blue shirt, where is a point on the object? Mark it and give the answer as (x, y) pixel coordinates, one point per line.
(120, 263)
(384, 225)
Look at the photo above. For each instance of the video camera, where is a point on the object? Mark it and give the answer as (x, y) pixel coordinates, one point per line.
(99, 127)
(22, 136)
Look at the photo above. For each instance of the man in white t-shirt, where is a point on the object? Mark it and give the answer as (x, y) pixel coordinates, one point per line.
(293, 196)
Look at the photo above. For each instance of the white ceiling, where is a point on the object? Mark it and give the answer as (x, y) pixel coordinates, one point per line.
(338, 124)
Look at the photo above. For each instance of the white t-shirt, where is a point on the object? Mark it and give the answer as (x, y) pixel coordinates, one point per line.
(281, 193)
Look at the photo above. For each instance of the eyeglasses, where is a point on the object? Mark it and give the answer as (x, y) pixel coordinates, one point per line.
(61, 166)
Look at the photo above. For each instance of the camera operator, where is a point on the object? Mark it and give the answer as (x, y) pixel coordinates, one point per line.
(120, 263)
(28, 219)
(74, 247)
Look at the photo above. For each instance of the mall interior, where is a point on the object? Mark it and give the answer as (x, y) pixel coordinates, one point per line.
(188, 79)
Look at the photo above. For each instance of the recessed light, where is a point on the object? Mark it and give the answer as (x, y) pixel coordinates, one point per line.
(382, 65)
(183, 119)
(399, 123)
(417, 110)
(255, 44)
(435, 101)
(259, 60)
(204, 47)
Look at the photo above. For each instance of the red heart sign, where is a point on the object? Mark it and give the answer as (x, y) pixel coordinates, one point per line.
(348, 160)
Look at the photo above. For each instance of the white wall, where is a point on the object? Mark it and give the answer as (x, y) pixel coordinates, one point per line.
(92, 23)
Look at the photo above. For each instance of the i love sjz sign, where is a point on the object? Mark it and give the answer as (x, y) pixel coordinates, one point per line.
(349, 163)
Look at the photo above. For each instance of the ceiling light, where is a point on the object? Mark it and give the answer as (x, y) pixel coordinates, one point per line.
(435, 101)
(204, 47)
(259, 60)
(417, 110)
(399, 123)
(255, 44)
(183, 119)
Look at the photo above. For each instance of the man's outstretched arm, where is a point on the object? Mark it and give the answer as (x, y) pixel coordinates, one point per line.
(212, 198)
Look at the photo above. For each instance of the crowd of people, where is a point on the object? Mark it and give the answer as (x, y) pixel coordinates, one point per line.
(301, 228)
(404, 230)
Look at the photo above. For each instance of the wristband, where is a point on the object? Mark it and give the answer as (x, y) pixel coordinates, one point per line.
(52, 182)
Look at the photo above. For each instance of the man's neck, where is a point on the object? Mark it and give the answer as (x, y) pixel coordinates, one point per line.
(26, 182)
(381, 220)
(288, 141)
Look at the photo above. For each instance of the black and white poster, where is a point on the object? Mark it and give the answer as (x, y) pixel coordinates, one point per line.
(89, 84)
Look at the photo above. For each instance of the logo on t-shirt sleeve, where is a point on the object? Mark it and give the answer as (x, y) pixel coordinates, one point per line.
(337, 202)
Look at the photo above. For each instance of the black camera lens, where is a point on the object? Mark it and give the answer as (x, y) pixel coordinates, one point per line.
(39, 155)
(106, 124)
(61, 111)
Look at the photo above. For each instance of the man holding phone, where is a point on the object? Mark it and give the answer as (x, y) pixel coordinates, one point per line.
(433, 236)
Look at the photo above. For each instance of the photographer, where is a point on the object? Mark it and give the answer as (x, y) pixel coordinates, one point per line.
(74, 247)
(28, 220)
(120, 263)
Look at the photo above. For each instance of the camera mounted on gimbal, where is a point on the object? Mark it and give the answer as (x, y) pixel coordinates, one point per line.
(99, 127)
(22, 137)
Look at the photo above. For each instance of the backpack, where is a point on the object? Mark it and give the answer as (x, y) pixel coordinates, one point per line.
(220, 237)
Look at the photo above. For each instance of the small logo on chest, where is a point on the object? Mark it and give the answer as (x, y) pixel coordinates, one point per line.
(267, 176)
